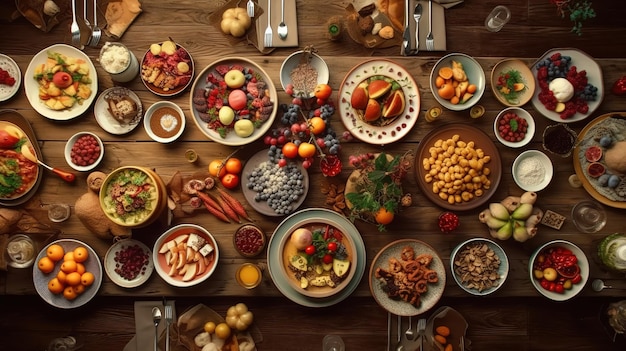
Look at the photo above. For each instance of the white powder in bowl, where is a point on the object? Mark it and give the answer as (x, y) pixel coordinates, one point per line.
(530, 171)
(114, 58)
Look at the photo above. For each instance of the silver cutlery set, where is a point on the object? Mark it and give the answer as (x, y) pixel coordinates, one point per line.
(96, 32)
(409, 339)
(407, 49)
(282, 29)
(157, 315)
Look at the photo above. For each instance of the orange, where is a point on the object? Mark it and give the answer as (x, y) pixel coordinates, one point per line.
(81, 254)
(471, 88)
(446, 72)
(61, 277)
(55, 252)
(79, 289)
(55, 286)
(69, 256)
(80, 268)
(68, 266)
(87, 278)
(446, 91)
(383, 216)
(290, 150)
(233, 165)
(216, 168)
(439, 81)
(45, 265)
(454, 100)
(306, 150)
(317, 125)
(73, 279)
(69, 293)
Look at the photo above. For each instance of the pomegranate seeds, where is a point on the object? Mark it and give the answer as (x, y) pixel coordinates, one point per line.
(131, 261)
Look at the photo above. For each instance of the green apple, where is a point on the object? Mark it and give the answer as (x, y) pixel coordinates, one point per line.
(234, 78)
(244, 128)
(226, 115)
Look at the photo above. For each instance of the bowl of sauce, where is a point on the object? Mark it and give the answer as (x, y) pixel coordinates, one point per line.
(559, 139)
(164, 121)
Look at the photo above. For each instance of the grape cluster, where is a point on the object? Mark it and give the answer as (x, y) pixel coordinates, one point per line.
(560, 66)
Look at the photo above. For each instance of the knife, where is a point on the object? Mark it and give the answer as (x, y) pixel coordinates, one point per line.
(406, 36)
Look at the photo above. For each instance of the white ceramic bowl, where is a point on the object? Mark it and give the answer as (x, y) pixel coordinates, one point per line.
(582, 262)
(530, 132)
(292, 61)
(181, 233)
(68, 152)
(532, 170)
(503, 269)
(475, 75)
(162, 135)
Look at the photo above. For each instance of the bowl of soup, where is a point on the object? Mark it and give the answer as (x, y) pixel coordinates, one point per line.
(133, 196)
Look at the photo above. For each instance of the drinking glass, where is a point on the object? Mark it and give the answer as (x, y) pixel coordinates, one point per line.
(588, 216)
(333, 343)
(498, 17)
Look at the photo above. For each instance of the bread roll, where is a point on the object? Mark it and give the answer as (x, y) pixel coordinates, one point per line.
(394, 10)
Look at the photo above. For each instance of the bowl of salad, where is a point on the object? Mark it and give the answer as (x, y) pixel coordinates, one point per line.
(512, 82)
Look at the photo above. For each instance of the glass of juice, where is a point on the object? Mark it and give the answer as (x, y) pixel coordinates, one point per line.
(249, 275)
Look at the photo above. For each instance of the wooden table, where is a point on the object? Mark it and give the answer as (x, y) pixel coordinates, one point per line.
(516, 310)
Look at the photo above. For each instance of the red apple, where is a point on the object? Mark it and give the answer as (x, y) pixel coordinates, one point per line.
(378, 88)
(394, 104)
(62, 80)
(7, 141)
(237, 99)
(359, 97)
(372, 111)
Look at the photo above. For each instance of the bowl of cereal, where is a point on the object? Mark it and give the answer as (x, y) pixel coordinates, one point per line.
(301, 72)
(479, 266)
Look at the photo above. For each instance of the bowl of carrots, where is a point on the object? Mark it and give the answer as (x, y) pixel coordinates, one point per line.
(457, 81)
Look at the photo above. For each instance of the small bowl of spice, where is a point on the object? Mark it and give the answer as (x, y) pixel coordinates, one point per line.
(84, 151)
(164, 121)
(532, 170)
(249, 240)
(301, 72)
(559, 139)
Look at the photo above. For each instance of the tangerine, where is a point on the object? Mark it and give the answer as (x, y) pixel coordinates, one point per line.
(61, 276)
(290, 150)
(73, 279)
(472, 88)
(317, 125)
(306, 150)
(446, 72)
(87, 278)
(79, 289)
(45, 265)
(80, 268)
(55, 286)
(439, 81)
(383, 216)
(233, 165)
(69, 256)
(68, 266)
(81, 254)
(217, 169)
(55, 252)
(69, 293)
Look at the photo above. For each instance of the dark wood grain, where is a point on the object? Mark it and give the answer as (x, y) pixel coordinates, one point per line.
(515, 317)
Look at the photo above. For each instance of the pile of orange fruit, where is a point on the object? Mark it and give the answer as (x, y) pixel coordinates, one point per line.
(72, 278)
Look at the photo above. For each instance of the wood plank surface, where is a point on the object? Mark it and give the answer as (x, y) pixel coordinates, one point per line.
(516, 312)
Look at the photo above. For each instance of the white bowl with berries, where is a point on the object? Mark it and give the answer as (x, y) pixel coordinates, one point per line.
(514, 127)
(559, 270)
(84, 151)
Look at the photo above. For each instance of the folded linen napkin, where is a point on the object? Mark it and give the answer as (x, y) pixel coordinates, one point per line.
(144, 326)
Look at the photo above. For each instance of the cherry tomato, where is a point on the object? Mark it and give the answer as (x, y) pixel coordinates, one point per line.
(328, 258)
(323, 91)
(559, 288)
(230, 181)
(577, 279)
(290, 150)
(310, 250)
(545, 284)
(332, 246)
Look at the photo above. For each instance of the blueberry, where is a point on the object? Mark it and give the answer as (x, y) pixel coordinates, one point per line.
(606, 141)
(614, 181)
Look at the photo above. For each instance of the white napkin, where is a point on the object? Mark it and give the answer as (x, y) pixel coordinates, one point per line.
(144, 326)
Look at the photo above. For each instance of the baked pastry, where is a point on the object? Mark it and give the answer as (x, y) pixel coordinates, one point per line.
(366, 24)
(394, 10)
(123, 109)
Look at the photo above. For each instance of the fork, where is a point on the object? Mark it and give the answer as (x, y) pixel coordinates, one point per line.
(96, 33)
(74, 27)
(169, 317)
(267, 41)
(421, 330)
(430, 40)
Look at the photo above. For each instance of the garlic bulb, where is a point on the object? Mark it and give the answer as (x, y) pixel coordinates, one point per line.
(50, 8)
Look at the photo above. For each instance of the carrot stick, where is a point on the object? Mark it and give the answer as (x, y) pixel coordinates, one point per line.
(228, 210)
(220, 215)
(213, 207)
(234, 204)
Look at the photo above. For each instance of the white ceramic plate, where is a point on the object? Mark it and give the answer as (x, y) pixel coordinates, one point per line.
(7, 64)
(92, 264)
(540, 157)
(428, 299)
(106, 120)
(231, 138)
(110, 264)
(582, 61)
(275, 262)
(379, 135)
(32, 87)
(262, 206)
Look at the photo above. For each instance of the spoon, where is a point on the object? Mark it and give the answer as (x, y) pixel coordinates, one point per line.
(598, 285)
(400, 347)
(282, 27)
(28, 152)
(156, 317)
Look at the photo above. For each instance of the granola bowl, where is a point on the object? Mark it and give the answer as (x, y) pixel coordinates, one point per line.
(479, 266)
(302, 71)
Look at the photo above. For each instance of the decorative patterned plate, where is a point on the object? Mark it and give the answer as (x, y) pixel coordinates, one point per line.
(467, 133)
(582, 61)
(92, 264)
(7, 64)
(401, 125)
(31, 86)
(110, 264)
(434, 290)
(104, 117)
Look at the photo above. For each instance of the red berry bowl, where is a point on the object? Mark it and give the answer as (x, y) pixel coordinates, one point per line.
(448, 221)
(249, 240)
(514, 127)
(84, 151)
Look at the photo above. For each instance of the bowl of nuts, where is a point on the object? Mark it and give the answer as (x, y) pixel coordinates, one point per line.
(479, 266)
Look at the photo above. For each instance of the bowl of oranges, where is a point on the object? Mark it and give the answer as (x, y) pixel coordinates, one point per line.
(67, 273)
(457, 81)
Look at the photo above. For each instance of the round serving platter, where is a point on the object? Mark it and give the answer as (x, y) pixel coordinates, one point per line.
(7, 64)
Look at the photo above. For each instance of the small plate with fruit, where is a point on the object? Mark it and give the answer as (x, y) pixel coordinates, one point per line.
(72, 86)
(569, 85)
(512, 82)
(514, 127)
(128, 263)
(67, 273)
(10, 77)
(559, 270)
(233, 101)
(167, 68)
(379, 101)
(457, 81)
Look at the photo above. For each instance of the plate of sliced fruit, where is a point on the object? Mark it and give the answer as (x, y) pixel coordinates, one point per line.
(61, 82)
